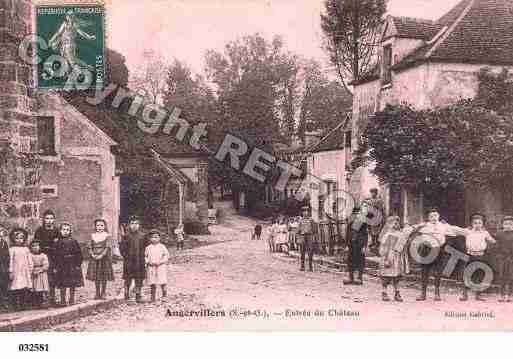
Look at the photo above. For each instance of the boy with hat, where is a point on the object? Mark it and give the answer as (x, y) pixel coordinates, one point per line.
(132, 248)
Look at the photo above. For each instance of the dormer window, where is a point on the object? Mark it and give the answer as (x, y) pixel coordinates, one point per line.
(387, 65)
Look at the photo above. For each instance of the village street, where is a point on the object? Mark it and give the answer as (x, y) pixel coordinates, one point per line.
(240, 275)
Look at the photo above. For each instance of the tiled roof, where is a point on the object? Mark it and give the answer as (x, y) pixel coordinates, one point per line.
(413, 28)
(123, 129)
(476, 31)
(483, 35)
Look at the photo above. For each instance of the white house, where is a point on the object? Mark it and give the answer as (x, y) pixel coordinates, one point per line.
(434, 63)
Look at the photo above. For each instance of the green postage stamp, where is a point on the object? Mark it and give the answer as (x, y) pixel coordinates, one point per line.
(71, 49)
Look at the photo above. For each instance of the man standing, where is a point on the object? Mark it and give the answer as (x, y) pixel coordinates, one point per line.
(306, 239)
(357, 236)
(132, 249)
(377, 208)
(47, 235)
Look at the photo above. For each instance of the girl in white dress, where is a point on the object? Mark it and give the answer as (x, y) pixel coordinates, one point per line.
(156, 258)
(20, 268)
(39, 274)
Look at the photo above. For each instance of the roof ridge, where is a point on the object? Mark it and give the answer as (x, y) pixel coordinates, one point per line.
(446, 18)
(451, 28)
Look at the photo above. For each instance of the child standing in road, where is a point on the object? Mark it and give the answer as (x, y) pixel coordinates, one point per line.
(476, 244)
(293, 229)
(505, 259)
(99, 269)
(273, 230)
(132, 249)
(20, 268)
(156, 258)
(180, 237)
(68, 264)
(4, 266)
(394, 259)
(281, 235)
(257, 232)
(39, 275)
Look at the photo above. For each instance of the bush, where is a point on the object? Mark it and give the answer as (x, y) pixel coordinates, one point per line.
(461, 144)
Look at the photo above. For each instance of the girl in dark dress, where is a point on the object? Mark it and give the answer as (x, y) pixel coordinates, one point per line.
(99, 269)
(68, 264)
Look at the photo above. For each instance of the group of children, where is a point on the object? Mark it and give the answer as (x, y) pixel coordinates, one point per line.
(31, 271)
(395, 256)
(282, 234)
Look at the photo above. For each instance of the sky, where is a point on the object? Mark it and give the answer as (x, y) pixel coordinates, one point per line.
(185, 29)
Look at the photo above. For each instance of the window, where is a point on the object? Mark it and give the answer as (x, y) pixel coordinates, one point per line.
(49, 191)
(387, 65)
(46, 135)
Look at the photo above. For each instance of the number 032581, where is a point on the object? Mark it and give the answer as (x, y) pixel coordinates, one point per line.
(33, 347)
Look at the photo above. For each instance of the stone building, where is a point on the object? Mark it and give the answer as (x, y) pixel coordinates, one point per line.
(435, 63)
(78, 180)
(57, 153)
(20, 169)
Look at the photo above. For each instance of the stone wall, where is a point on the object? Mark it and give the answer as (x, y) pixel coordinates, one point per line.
(19, 171)
(78, 197)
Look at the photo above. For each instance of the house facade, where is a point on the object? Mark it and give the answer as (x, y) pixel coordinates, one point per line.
(78, 180)
(431, 64)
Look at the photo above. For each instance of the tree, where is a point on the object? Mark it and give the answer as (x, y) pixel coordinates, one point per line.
(351, 30)
(495, 91)
(247, 78)
(461, 144)
(288, 68)
(190, 93)
(324, 103)
(117, 69)
(150, 80)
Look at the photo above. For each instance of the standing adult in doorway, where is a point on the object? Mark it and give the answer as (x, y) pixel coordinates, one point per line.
(47, 235)
(376, 212)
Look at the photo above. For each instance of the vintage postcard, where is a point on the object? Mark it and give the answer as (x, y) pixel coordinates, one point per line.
(274, 165)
